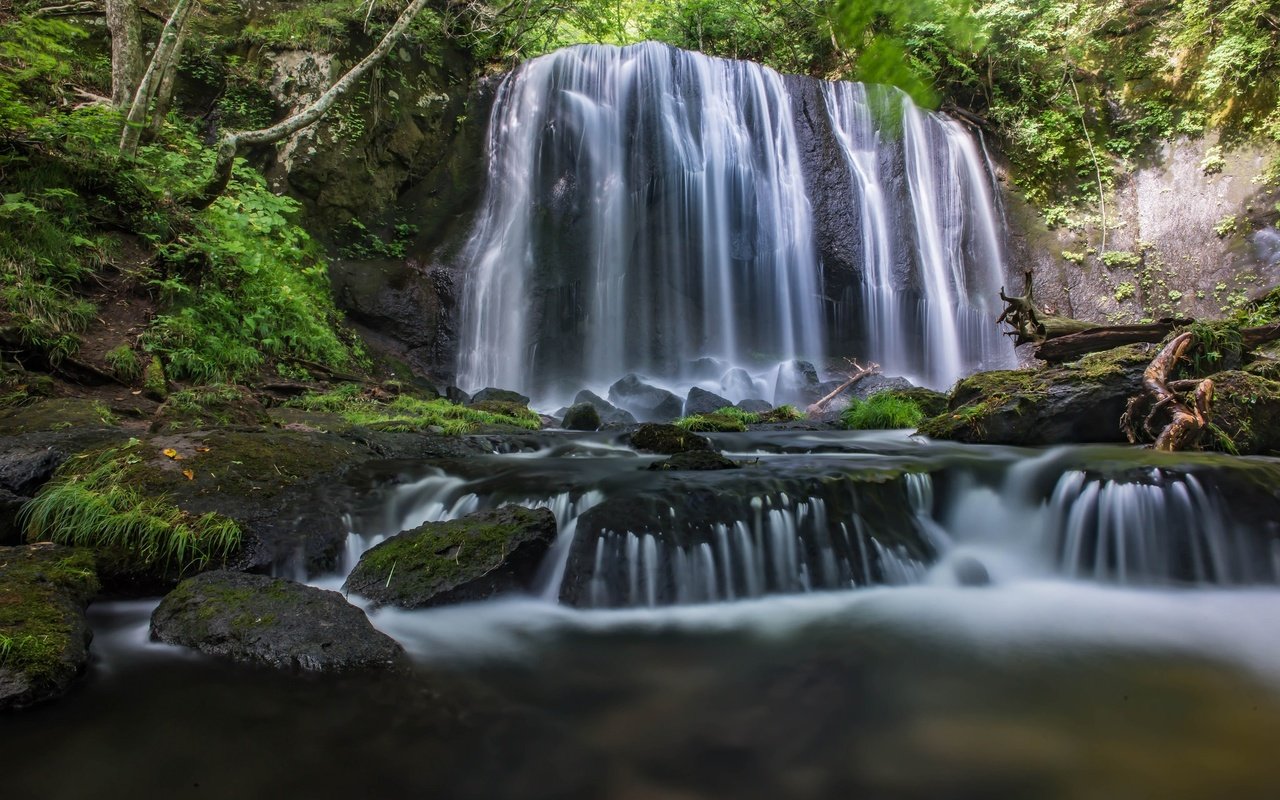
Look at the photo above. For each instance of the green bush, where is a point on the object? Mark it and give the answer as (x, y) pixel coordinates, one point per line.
(882, 411)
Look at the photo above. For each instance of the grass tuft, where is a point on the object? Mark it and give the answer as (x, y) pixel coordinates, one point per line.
(410, 414)
(882, 411)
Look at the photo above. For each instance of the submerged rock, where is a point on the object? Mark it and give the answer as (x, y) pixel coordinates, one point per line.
(646, 402)
(272, 621)
(43, 593)
(581, 417)
(700, 401)
(695, 460)
(668, 440)
(473, 558)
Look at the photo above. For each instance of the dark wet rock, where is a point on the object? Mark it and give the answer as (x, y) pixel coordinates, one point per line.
(272, 621)
(706, 368)
(646, 402)
(455, 395)
(610, 415)
(1080, 402)
(25, 468)
(43, 593)
(700, 401)
(970, 571)
(874, 384)
(581, 417)
(1246, 413)
(467, 559)
(737, 382)
(796, 383)
(754, 405)
(10, 505)
(695, 460)
(499, 395)
(60, 414)
(668, 440)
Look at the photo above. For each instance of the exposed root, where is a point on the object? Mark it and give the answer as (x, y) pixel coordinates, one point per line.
(1184, 422)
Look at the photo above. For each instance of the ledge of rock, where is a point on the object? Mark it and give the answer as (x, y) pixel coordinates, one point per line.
(271, 621)
(44, 636)
(472, 558)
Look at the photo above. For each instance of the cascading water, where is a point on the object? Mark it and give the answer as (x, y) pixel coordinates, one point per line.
(647, 206)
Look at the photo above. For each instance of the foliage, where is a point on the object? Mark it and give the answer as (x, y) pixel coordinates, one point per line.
(124, 364)
(407, 413)
(714, 423)
(882, 411)
(90, 504)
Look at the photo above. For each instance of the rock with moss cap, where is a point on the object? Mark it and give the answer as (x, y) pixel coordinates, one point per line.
(1245, 414)
(472, 558)
(44, 636)
(668, 440)
(275, 622)
(695, 460)
(1078, 402)
(582, 417)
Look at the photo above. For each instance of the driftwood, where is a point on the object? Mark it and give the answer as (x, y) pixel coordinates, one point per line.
(858, 373)
(1187, 420)
(1071, 347)
(1030, 324)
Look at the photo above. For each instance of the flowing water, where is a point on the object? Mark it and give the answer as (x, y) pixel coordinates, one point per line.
(648, 206)
(846, 615)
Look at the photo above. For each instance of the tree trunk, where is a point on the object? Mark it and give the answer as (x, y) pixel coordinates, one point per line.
(124, 23)
(164, 93)
(231, 141)
(150, 83)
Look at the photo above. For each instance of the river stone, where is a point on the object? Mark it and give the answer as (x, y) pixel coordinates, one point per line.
(647, 402)
(472, 558)
(737, 383)
(874, 384)
(700, 401)
(581, 417)
(695, 460)
(500, 395)
(610, 415)
(754, 405)
(668, 440)
(272, 621)
(796, 383)
(44, 589)
(455, 395)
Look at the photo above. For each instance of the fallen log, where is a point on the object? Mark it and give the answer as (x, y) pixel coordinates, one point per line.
(859, 372)
(1098, 338)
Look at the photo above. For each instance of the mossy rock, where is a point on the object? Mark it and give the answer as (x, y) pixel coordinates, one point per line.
(1245, 414)
(274, 622)
(1268, 368)
(472, 558)
(210, 406)
(582, 417)
(668, 439)
(1079, 402)
(61, 414)
(44, 636)
(713, 423)
(695, 460)
(929, 402)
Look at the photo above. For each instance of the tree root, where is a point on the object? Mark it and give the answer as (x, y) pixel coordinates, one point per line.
(1160, 399)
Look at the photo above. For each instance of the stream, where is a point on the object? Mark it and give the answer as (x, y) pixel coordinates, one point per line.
(850, 614)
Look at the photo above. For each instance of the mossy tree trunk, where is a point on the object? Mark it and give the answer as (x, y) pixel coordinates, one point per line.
(232, 141)
(149, 87)
(124, 23)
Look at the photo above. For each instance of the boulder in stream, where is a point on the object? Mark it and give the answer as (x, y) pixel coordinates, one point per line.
(700, 401)
(695, 460)
(499, 395)
(272, 621)
(581, 417)
(668, 439)
(646, 402)
(472, 558)
(796, 383)
(44, 636)
(609, 413)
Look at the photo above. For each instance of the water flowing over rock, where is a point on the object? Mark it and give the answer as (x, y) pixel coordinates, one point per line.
(648, 205)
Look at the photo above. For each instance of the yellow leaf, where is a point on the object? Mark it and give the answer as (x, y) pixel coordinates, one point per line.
(171, 453)
(191, 476)
(202, 449)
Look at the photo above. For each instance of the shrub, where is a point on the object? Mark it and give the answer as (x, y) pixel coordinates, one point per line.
(882, 411)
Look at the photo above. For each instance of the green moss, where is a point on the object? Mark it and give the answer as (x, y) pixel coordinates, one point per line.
(407, 413)
(783, 413)
(977, 397)
(42, 592)
(882, 411)
(89, 503)
(1245, 414)
(716, 422)
(154, 382)
(53, 415)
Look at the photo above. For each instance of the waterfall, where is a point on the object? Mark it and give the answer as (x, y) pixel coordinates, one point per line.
(647, 206)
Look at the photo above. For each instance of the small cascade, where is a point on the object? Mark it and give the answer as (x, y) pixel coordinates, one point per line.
(647, 206)
(1167, 528)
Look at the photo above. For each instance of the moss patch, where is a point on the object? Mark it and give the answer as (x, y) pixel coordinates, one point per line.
(405, 413)
(1245, 414)
(55, 415)
(667, 439)
(43, 634)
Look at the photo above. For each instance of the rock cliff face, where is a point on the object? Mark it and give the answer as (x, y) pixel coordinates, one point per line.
(1189, 232)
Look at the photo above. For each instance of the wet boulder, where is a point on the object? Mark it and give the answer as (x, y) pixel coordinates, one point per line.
(668, 440)
(609, 413)
(455, 395)
(646, 402)
(43, 593)
(700, 401)
(697, 460)
(256, 619)
(467, 559)
(875, 384)
(499, 395)
(26, 467)
(796, 383)
(705, 368)
(737, 382)
(581, 417)
(754, 405)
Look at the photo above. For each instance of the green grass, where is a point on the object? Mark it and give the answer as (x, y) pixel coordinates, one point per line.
(734, 419)
(406, 413)
(89, 504)
(882, 411)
